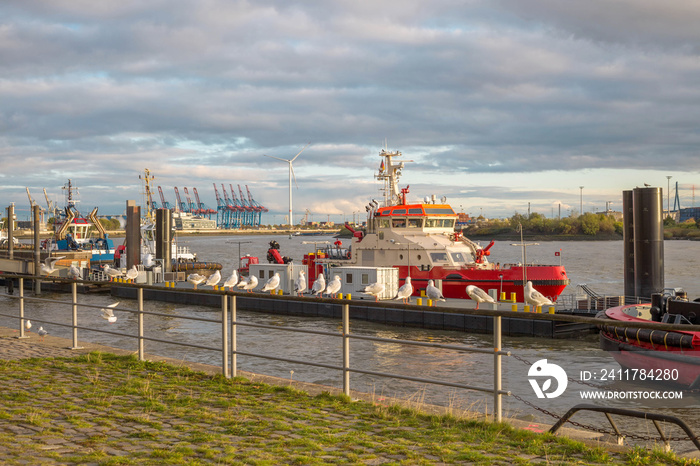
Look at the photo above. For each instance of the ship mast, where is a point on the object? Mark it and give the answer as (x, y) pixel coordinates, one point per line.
(148, 195)
(389, 172)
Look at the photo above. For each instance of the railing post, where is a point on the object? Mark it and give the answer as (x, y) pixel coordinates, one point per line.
(346, 349)
(21, 308)
(224, 336)
(139, 295)
(74, 292)
(497, 385)
(234, 346)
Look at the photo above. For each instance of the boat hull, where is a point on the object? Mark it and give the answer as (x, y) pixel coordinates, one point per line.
(550, 280)
(655, 351)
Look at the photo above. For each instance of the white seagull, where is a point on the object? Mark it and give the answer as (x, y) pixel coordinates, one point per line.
(272, 284)
(432, 292)
(405, 291)
(195, 279)
(250, 285)
(132, 273)
(75, 273)
(49, 265)
(319, 286)
(231, 281)
(534, 297)
(375, 289)
(300, 283)
(111, 273)
(213, 279)
(334, 286)
(479, 295)
(108, 313)
(27, 325)
(42, 333)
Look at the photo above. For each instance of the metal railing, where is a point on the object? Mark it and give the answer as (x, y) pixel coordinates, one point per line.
(229, 347)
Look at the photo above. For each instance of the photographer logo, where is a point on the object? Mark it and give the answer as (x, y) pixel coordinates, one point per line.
(542, 370)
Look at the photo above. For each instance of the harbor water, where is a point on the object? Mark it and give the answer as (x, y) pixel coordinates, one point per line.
(598, 264)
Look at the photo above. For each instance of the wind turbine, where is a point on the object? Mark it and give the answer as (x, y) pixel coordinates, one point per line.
(291, 174)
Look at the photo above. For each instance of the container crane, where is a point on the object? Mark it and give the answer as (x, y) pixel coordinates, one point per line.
(246, 207)
(180, 205)
(259, 209)
(235, 209)
(192, 208)
(163, 202)
(223, 213)
(203, 208)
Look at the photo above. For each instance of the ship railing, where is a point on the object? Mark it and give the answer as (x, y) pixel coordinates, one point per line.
(228, 347)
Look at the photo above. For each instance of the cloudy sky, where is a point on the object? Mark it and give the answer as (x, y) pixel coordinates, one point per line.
(499, 103)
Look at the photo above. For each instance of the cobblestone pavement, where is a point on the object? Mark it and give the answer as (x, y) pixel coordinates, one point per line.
(54, 411)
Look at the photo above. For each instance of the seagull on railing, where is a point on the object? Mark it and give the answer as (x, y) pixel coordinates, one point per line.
(375, 289)
(300, 284)
(250, 285)
(534, 297)
(405, 291)
(231, 281)
(132, 273)
(49, 265)
(319, 286)
(75, 273)
(112, 273)
(272, 284)
(433, 292)
(479, 295)
(334, 286)
(195, 279)
(213, 279)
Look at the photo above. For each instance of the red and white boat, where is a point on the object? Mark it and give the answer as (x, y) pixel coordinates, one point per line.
(655, 355)
(420, 240)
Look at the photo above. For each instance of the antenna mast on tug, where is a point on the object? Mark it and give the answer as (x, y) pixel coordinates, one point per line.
(389, 172)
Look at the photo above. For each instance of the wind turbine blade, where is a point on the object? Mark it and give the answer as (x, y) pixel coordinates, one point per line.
(293, 175)
(283, 160)
(302, 150)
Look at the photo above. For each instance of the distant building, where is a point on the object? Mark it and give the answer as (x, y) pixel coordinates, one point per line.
(690, 213)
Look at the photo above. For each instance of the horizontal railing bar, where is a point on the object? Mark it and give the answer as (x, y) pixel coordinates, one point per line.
(431, 381)
(291, 329)
(465, 349)
(179, 343)
(295, 361)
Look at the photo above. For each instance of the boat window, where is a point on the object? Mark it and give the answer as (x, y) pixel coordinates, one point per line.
(418, 211)
(365, 279)
(438, 256)
(398, 222)
(458, 257)
(439, 222)
(262, 274)
(384, 223)
(415, 222)
(439, 210)
(398, 212)
(348, 278)
(449, 222)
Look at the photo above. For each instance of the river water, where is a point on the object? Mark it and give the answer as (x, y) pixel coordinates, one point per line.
(598, 264)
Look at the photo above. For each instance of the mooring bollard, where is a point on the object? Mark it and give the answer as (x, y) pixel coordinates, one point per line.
(514, 307)
(551, 309)
(430, 303)
(512, 296)
(503, 295)
(419, 301)
(526, 308)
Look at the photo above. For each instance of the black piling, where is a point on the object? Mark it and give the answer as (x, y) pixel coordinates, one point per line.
(648, 241)
(628, 240)
(163, 238)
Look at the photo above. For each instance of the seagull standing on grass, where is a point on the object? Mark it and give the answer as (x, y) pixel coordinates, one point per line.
(213, 279)
(195, 279)
(108, 313)
(534, 297)
(231, 281)
(49, 265)
(319, 286)
(479, 295)
(272, 284)
(42, 333)
(300, 284)
(375, 289)
(334, 286)
(433, 293)
(405, 291)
